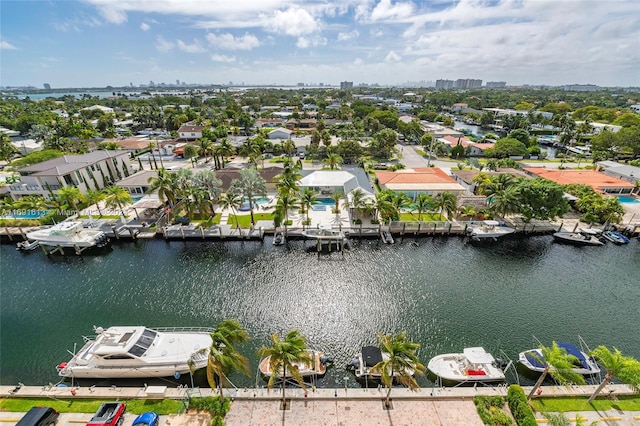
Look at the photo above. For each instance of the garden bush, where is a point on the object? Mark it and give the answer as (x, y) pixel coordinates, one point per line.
(522, 413)
(489, 410)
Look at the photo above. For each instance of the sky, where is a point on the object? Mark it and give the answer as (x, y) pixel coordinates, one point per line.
(95, 43)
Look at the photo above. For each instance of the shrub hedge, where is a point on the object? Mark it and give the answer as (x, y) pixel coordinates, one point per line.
(520, 409)
(490, 410)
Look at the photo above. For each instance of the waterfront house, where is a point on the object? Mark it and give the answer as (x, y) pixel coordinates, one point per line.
(91, 171)
(229, 174)
(190, 132)
(600, 182)
(465, 177)
(413, 182)
(280, 133)
(138, 183)
(326, 182)
(620, 171)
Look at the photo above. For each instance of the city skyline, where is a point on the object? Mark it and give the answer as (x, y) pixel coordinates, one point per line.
(95, 43)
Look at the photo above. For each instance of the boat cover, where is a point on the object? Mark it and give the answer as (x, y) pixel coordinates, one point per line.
(371, 355)
(571, 350)
(478, 356)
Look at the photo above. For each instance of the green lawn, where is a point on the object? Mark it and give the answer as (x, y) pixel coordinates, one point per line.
(425, 217)
(136, 406)
(245, 219)
(580, 404)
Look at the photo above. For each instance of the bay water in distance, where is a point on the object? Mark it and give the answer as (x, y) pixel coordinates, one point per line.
(445, 293)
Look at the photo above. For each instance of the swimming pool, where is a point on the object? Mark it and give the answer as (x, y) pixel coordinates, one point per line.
(245, 205)
(628, 200)
(325, 202)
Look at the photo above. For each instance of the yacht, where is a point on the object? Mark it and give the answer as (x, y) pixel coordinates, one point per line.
(585, 365)
(139, 352)
(363, 365)
(488, 230)
(69, 234)
(473, 365)
(316, 366)
(584, 237)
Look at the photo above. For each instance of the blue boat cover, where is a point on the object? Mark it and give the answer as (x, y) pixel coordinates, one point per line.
(571, 350)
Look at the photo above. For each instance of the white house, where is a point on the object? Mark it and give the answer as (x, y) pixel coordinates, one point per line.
(104, 109)
(280, 133)
(92, 171)
(190, 132)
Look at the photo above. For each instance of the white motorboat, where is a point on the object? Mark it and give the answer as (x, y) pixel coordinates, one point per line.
(488, 230)
(323, 233)
(585, 365)
(27, 245)
(363, 365)
(584, 237)
(317, 366)
(138, 352)
(69, 234)
(473, 365)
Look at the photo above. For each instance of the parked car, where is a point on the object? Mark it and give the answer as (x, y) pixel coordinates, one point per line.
(39, 416)
(146, 419)
(109, 414)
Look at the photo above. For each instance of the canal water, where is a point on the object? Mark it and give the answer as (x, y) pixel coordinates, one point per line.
(445, 293)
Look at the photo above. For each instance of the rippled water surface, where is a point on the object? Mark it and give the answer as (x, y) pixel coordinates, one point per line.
(445, 293)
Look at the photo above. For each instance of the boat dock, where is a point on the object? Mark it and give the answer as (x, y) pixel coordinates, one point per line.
(336, 406)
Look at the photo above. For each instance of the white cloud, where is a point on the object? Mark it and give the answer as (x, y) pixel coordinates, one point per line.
(304, 42)
(223, 58)
(163, 45)
(392, 57)
(5, 45)
(196, 47)
(348, 36)
(386, 10)
(113, 14)
(145, 27)
(294, 21)
(230, 42)
(357, 61)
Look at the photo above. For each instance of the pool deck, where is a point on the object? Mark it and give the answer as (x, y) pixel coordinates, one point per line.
(352, 406)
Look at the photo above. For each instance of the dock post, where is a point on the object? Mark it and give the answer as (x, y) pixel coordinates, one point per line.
(202, 232)
(24, 236)
(164, 232)
(8, 233)
(418, 231)
(435, 225)
(113, 228)
(575, 227)
(182, 232)
(133, 236)
(560, 228)
(44, 249)
(318, 246)
(450, 225)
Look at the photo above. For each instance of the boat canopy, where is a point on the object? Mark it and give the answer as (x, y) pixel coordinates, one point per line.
(478, 356)
(536, 359)
(371, 355)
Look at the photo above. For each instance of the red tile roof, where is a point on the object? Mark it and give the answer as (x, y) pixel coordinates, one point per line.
(596, 180)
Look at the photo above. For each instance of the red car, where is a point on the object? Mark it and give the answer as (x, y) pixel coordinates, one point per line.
(109, 414)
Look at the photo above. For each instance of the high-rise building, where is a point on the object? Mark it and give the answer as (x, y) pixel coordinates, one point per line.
(177, 82)
(47, 86)
(151, 83)
(346, 85)
(496, 84)
(467, 83)
(444, 84)
(581, 87)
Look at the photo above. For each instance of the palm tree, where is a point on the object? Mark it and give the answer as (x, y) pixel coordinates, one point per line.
(70, 195)
(288, 146)
(289, 178)
(506, 201)
(401, 364)
(231, 200)
(165, 183)
(423, 204)
(117, 197)
(559, 365)
(308, 197)
(286, 202)
(333, 161)
(7, 150)
(383, 205)
(206, 148)
(399, 202)
(249, 185)
(446, 202)
(207, 180)
(94, 197)
(489, 185)
(336, 196)
(223, 355)
(625, 368)
(284, 354)
(225, 150)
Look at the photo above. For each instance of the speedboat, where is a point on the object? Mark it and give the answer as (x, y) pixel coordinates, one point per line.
(585, 365)
(488, 230)
(316, 366)
(278, 239)
(473, 365)
(386, 237)
(139, 352)
(69, 234)
(615, 237)
(323, 233)
(584, 237)
(27, 245)
(363, 365)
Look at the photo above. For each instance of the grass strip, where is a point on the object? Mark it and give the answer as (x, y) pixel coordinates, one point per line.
(135, 406)
(561, 405)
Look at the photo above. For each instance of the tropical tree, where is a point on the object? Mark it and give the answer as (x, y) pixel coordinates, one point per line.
(383, 205)
(283, 355)
(559, 364)
(308, 197)
(207, 181)
(337, 196)
(164, 183)
(7, 150)
(423, 204)
(446, 202)
(231, 200)
(94, 197)
(287, 201)
(69, 195)
(358, 201)
(333, 161)
(506, 201)
(625, 368)
(117, 197)
(250, 184)
(223, 354)
(224, 150)
(402, 363)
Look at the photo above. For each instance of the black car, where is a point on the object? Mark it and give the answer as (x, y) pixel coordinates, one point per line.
(39, 416)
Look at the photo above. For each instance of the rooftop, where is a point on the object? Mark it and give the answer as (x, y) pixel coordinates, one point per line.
(596, 180)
